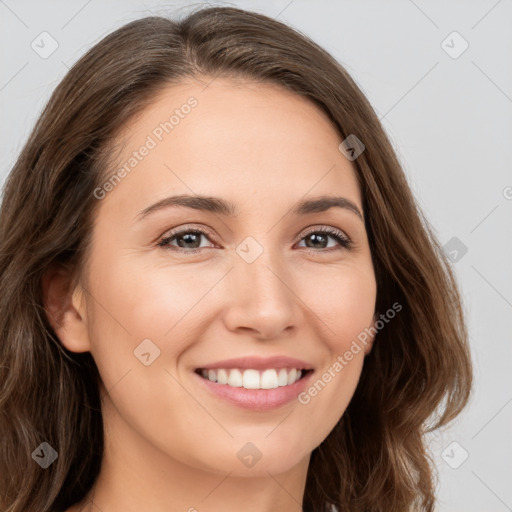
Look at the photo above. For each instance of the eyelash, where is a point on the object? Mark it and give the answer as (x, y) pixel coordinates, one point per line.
(342, 239)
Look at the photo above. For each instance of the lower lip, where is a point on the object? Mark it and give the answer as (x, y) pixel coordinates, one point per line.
(257, 399)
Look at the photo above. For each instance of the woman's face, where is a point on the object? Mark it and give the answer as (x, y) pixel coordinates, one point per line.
(258, 282)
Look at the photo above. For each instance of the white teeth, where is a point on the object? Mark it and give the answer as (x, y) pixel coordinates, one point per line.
(269, 379)
(222, 376)
(292, 374)
(283, 377)
(235, 378)
(253, 379)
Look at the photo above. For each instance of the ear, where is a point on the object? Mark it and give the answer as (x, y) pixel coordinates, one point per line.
(369, 343)
(64, 309)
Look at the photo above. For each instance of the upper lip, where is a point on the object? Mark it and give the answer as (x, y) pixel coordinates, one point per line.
(259, 363)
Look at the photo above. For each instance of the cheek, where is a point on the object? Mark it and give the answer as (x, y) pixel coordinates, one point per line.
(137, 301)
(343, 300)
(133, 304)
(346, 308)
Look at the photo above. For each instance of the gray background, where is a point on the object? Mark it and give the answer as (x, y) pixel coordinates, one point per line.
(450, 122)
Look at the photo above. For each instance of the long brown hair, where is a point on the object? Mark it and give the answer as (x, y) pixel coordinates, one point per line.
(418, 376)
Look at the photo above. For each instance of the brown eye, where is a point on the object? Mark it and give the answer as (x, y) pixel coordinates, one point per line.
(189, 240)
(185, 238)
(320, 236)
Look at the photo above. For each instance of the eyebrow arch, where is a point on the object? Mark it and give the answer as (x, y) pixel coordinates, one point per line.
(228, 209)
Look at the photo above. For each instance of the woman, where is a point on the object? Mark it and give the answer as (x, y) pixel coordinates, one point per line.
(261, 371)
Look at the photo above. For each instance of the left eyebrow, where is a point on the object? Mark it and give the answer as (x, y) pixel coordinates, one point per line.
(324, 203)
(228, 209)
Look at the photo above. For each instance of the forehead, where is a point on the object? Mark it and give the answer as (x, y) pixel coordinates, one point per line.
(252, 143)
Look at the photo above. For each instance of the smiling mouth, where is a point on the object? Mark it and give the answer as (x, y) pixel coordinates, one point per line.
(270, 378)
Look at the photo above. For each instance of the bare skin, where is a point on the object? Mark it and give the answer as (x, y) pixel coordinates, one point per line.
(171, 444)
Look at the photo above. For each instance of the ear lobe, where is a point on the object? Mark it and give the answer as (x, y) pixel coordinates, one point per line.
(63, 310)
(369, 344)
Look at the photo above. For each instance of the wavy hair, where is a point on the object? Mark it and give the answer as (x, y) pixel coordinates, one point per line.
(418, 376)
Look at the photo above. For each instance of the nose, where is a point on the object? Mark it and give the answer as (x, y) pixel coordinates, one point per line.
(261, 298)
